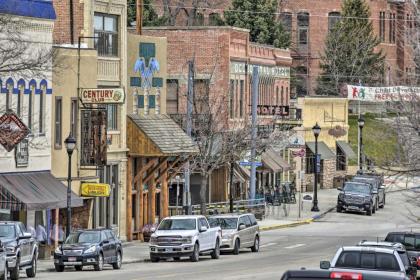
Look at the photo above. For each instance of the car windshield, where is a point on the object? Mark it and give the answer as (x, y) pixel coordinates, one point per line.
(7, 231)
(357, 188)
(84, 237)
(177, 224)
(224, 223)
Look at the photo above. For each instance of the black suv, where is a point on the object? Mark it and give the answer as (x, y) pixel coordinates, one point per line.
(377, 183)
(21, 249)
(356, 196)
(411, 241)
(94, 247)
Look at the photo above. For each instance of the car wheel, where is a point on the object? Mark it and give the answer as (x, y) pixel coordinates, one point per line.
(177, 258)
(100, 265)
(236, 247)
(374, 209)
(14, 273)
(383, 204)
(195, 257)
(154, 259)
(59, 268)
(78, 267)
(256, 246)
(339, 209)
(118, 263)
(31, 272)
(215, 254)
(369, 211)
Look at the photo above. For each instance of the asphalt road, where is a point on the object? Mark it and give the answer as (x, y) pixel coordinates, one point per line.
(283, 249)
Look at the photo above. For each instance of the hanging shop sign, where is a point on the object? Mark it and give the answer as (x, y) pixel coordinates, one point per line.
(93, 138)
(240, 68)
(102, 95)
(337, 131)
(12, 130)
(382, 94)
(95, 190)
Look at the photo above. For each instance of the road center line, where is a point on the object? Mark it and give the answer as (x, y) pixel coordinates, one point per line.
(267, 245)
(294, 246)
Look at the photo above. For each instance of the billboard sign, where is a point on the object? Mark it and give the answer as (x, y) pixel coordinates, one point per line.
(93, 138)
(12, 131)
(382, 94)
(102, 95)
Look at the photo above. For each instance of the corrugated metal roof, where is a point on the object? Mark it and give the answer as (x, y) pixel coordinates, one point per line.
(323, 150)
(28, 8)
(36, 190)
(165, 133)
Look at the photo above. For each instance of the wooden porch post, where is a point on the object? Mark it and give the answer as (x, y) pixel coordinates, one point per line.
(139, 183)
(152, 201)
(129, 199)
(146, 208)
(164, 195)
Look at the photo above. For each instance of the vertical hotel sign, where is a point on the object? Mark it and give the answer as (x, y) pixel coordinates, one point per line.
(93, 138)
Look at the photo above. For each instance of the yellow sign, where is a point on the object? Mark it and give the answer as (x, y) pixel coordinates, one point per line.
(95, 189)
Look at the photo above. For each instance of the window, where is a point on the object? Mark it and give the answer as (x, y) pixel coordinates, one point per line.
(9, 89)
(253, 220)
(277, 95)
(172, 96)
(41, 112)
(392, 28)
(341, 160)
(215, 19)
(58, 122)
(106, 31)
(19, 104)
(30, 108)
(112, 117)
(245, 220)
(231, 98)
(303, 29)
(382, 26)
(286, 20)
(203, 223)
(386, 262)
(241, 98)
(281, 95)
(199, 19)
(103, 236)
(310, 162)
(333, 19)
(201, 96)
(73, 117)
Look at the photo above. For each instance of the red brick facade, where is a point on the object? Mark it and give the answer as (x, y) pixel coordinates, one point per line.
(61, 34)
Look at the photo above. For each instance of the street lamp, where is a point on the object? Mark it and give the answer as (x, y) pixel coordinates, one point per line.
(361, 122)
(70, 143)
(316, 130)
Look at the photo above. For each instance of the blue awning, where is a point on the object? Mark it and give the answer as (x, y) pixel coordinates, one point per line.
(28, 8)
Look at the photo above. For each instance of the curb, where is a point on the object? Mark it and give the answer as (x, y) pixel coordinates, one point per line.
(401, 190)
(51, 269)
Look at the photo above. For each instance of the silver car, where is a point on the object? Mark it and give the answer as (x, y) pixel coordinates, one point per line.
(238, 231)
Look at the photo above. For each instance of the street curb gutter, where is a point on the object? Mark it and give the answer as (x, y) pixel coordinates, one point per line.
(298, 223)
(51, 269)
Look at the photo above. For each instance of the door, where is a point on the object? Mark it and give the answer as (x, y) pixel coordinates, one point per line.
(205, 237)
(2, 257)
(23, 244)
(244, 234)
(112, 245)
(106, 246)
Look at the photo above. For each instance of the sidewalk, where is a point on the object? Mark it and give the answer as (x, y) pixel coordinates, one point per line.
(133, 252)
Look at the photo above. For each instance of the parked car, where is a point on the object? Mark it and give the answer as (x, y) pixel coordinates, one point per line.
(323, 274)
(185, 236)
(356, 196)
(377, 183)
(400, 248)
(238, 231)
(95, 247)
(21, 249)
(411, 241)
(3, 260)
(370, 261)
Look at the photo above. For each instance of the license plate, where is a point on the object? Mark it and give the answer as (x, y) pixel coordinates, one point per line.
(168, 250)
(71, 259)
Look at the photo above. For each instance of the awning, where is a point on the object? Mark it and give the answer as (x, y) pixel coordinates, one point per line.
(274, 162)
(347, 150)
(34, 191)
(242, 174)
(323, 150)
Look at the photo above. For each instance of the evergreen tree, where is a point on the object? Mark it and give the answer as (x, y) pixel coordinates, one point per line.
(350, 56)
(259, 17)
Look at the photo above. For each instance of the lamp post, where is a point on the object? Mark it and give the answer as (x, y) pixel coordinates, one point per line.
(316, 130)
(361, 123)
(70, 143)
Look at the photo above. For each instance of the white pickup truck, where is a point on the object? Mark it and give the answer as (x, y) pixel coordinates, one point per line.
(185, 236)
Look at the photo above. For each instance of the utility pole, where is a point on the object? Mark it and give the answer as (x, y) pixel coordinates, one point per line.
(254, 101)
(139, 16)
(187, 194)
(232, 165)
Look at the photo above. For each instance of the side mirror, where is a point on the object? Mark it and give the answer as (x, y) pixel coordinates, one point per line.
(26, 235)
(325, 265)
(105, 242)
(153, 229)
(375, 191)
(203, 229)
(382, 187)
(339, 188)
(242, 227)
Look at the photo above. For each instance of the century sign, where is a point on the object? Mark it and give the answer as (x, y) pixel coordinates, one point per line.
(102, 95)
(12, 131)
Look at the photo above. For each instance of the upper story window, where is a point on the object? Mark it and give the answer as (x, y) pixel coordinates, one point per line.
(382, 26)
(392, 28)
(303, 29)
(106, 33)
(286, 20)
(333, 19)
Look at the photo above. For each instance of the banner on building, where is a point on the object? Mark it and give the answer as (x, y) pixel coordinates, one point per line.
(12, 130)
(382, 94)
(95, 190)
(93, 138)
(102, 95)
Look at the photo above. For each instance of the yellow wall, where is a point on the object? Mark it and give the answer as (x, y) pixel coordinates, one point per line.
(132, 55)
(328, 113)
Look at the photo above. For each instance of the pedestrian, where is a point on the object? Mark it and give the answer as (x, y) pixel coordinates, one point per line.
(41, 234)
(32, 231)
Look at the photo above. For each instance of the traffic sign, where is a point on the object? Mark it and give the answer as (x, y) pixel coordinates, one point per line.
(249, 163)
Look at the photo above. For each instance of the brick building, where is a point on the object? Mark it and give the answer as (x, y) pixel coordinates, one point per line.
(223, 59)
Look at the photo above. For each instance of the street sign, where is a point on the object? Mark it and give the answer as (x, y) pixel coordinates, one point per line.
(318, 163)
(102, 95)
(95, 189)
(300, 153)
(12, 130)
(248, 163)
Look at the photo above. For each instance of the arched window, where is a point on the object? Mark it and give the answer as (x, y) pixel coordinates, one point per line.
(277, 95)
(42, 97)
(9, 90)
(32, 88)
(281, 96)
(303, 29)
(333, 19)
(21, 90)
